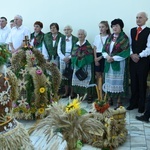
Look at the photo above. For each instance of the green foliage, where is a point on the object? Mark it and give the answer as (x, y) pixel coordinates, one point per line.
(100, 102)
(4, 54)
(83, 111)
(29, 88)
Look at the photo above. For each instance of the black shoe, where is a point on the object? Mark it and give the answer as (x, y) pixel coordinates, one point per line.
(118, 105)
(141, 110)
(110, 102)
(65, 96)
(90, 100)
(73, 96)
(142, 118)
(130, 107)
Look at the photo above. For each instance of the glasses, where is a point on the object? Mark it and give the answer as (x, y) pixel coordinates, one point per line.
(67, 29)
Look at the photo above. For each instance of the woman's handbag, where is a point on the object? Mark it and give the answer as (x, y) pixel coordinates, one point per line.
(67, 73)
(81, 74)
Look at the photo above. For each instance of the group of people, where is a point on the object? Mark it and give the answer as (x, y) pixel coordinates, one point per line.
(113, 57)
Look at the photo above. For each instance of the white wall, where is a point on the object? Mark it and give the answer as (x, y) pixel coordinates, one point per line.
(84, 14)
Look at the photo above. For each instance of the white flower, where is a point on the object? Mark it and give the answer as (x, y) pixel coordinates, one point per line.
(4, 98)
(48, 81)
(22, 84)
(10, 125)
(22, 102)
(5, 128)
(23, 72)
(6, 109)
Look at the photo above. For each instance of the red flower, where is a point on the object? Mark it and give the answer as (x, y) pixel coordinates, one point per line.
(32, 58)
(101, 109)
(117, 46)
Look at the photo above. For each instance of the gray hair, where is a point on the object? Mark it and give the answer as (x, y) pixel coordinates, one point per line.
(82, 30)
(144, 14)
(68, 26)
(19, 16)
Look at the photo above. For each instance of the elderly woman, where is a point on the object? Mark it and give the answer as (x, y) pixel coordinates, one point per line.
(64, 49)
(82, 61)
(116, 51)
(36, 38)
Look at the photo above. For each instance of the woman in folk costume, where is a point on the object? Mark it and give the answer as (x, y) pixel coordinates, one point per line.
(82, 57)
(36, 38)
(99, 41)
(116, 51)
(65, 46)
(12, 134)
(50, 44)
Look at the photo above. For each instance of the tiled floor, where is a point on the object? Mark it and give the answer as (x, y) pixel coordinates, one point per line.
(138, 132)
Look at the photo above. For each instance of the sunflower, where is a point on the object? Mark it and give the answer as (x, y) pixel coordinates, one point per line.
(75, 105)
(41, 110)
(42, 90)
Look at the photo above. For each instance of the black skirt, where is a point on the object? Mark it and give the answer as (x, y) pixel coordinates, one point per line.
(100, 68)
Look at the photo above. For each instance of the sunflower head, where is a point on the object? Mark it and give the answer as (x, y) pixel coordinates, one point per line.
(41, 110)
(75, 105)
(42, 90)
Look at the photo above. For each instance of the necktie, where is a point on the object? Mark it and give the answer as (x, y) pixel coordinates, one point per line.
(67, 40)
(139, 29)
(35, 41)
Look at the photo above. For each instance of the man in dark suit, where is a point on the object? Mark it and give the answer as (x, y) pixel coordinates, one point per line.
(139, 62)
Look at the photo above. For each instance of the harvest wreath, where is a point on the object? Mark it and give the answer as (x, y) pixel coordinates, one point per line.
(37, 87)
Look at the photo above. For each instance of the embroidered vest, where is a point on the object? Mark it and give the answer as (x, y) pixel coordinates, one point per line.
(38, 40)
(48, 41)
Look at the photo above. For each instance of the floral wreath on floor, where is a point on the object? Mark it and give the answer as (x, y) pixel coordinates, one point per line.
(12, 133)
(37, 87)
(105, 129)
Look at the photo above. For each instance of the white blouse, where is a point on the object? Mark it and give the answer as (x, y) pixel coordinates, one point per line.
(99, 41)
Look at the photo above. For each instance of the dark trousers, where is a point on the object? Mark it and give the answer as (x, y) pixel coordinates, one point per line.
(147, 112)
(138, 75)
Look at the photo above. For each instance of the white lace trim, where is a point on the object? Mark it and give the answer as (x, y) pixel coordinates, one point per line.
(113, 88)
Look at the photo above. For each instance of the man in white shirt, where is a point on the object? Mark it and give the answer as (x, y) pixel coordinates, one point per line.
(17, 34)
(4, 30)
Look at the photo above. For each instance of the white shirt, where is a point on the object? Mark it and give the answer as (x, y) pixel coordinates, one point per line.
(145, 52)
(78, 43)
(67, 50)
(17, 36)
(99, 41)
(4, 33)
(44, 51)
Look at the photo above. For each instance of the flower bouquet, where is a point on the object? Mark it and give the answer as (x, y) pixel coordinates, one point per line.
(101, 106)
